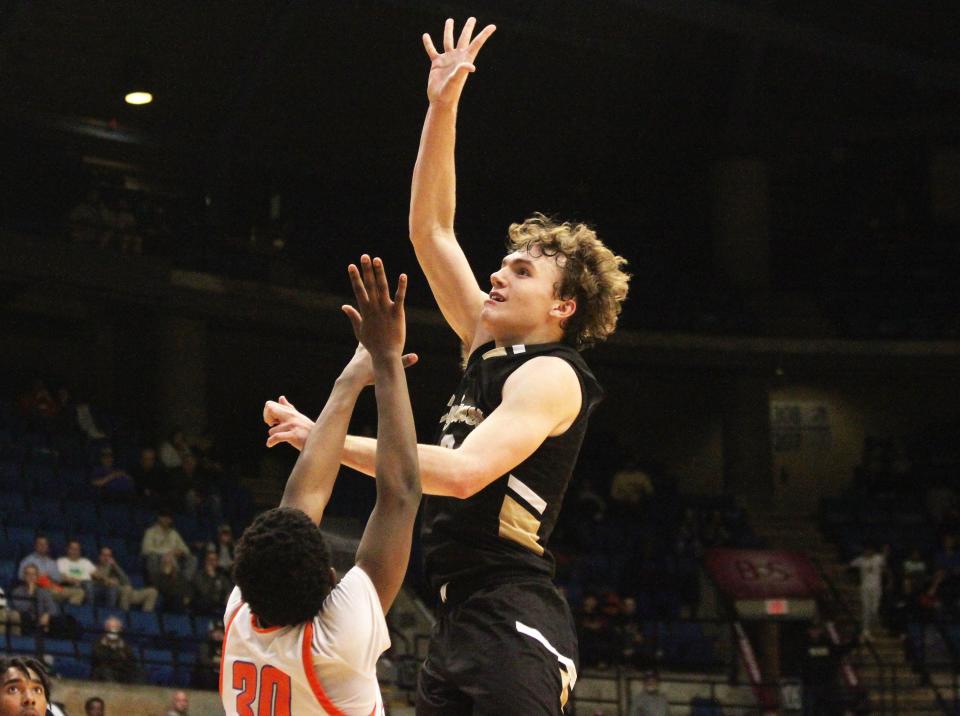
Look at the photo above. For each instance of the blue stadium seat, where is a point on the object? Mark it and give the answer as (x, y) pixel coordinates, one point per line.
(85, 616)
(58, 647)
(158, 665)
(40, 479)
(8, 572)
(47, 513)
(71, 667)
(81, 516)
(21, 644)
(705, 707)
(144, 625)
(13, 503)
(179, 625)
(22, 536)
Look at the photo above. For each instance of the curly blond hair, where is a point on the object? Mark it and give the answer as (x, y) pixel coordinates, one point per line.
(591, 274)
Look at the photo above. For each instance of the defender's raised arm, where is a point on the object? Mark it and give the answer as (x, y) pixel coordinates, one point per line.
(433, 193)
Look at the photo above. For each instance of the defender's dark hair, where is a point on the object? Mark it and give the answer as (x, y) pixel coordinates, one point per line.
(26, 664)
(91, 701)
(282, 567)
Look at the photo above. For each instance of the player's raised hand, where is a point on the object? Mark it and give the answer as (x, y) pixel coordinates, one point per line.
(449, 69)
(286, 423)
(378, 320)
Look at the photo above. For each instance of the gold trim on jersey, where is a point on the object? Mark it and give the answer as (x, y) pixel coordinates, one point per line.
(504, 351)
(518, 525)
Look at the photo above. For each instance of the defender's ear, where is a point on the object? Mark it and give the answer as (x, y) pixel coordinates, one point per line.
(333, 577)
(564, 309)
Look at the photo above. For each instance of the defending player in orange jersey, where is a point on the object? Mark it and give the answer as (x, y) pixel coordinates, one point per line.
(297, 641)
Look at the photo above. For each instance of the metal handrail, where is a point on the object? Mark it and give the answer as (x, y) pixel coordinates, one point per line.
(886, 670)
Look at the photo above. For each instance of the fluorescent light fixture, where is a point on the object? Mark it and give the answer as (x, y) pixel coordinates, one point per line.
(138, 97)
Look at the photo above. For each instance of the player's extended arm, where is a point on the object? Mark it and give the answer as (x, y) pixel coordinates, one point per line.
(540, 399)
(379, 324)
(433, 192)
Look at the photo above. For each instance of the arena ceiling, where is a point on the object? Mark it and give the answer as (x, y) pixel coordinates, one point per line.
(594, 109)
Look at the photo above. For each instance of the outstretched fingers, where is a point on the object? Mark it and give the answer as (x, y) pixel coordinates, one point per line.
(356, 283)
(429, 47)
(480, 39)
(466, 33)
(401, 290)
(448, 35)
(380, 279)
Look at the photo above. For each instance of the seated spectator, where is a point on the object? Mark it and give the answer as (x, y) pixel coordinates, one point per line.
(173, 449)
(35, 604)
(77, 571)
(224, 547)
(9, 617)
(111, 574)
(94, 706)
(207, 672)
(48, 575)
(199, 488)
(594, 631)
(113, 659)
(211, 587)
(161, 539)
(650, 702)
(111, 481)
(150, 479)
(633, 647)
(37, 405)
(172, 584)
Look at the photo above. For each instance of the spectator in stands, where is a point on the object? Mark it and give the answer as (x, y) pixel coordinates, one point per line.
(48, 575)
(211, 587)
(207, 673)
(944, 588)
(112, 482)
(224, 547)
(173, 449)
(871, 566)
(650, 702)
(631, 489)
(26, 686)
(179, 704)
(162, 539)
(37, 406)
(9, 617)
(173, 586)
(113, 658)
(594, 632)
(199, 488)
(150, 478)
(111, 574)
(713, 532)
(94, 706)
(630, 634)
(76, 570)
(36, 605)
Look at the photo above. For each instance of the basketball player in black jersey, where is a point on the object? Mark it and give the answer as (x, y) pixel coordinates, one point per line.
(504, 643)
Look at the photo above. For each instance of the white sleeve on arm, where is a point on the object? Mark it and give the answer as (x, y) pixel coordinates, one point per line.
(233, 603)
(351, 626)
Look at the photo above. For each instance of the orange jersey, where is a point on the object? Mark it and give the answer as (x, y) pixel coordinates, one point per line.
(324, 667)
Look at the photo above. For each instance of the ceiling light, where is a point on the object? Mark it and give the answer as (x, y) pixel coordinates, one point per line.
(138, 97)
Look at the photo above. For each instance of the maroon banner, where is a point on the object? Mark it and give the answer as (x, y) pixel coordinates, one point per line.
(763, 574)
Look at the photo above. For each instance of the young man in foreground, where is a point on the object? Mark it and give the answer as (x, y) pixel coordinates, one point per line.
(505, 641)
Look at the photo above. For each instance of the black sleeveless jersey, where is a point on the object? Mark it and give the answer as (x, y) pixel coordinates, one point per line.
(504, 528)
